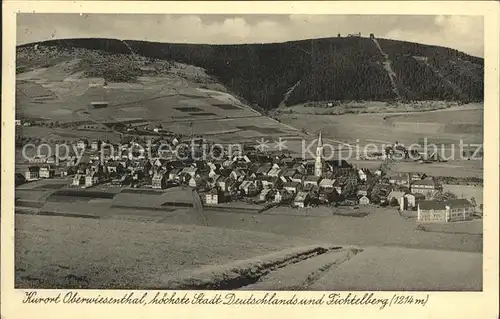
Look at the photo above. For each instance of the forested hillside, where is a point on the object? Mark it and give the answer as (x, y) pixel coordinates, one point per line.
(348, 68)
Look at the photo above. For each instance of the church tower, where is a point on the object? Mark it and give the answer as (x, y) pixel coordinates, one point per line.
(318, 165)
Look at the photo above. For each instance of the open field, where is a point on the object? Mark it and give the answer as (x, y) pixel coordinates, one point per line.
(440, 127)
(461, 227)
(460, 168)
(466, 191)
(120, 254)
(370, 265)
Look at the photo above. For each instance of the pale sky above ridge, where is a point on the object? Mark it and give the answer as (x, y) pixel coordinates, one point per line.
(464, 33)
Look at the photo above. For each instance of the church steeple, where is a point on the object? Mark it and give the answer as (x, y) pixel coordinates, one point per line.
(318, 164)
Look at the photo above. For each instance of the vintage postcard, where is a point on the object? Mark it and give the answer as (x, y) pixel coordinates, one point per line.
(290, 159)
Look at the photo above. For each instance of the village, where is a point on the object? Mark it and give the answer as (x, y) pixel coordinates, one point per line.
(255, 177)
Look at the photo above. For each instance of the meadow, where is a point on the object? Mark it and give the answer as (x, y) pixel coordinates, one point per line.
(148, 250)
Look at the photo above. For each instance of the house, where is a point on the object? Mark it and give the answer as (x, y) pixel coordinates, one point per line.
(364, 174)
(228, 164)
(339, 165)
(38, 159)
(81, 144)
(363, 190)
(166, 153)
(61, 171)
(301, 200)
(300, 168)
(223, 183)
(213, 172)
(288, 161)
(95, 167)
(160, 162)
(426, 187)
(125, 162)
(196, 181)
(174, 174)
(309, 168)
(397, 195)
(191, 171)
(291, 187)
(91, 179)
(212, 180)
(214, 196)
(270, 182)
(330, 195)
(125, 154)
(310, 188)
(249, 188)
(124, 180)
(326, 183)
(95, 145)
(238, 174)
(159, 180)
(46, 171)
(278, 196)
(399, 180)
(312, 180)
(364, 200)
(413, 198)
(142, 165)
(351, 201)
(340, 184)
(32, 173)
(52, 160)
(241, 158)
(297, 177)
(266, 194)
(417, 176)
(274, 172)
(432, 211)
(114, 168)
(459, 209)
(263, 169)
(71, 161)
(287, 175)
(78, 180)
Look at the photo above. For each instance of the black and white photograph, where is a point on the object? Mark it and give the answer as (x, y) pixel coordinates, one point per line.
(249, 152)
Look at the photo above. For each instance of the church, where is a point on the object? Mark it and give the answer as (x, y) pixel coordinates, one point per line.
(319, 162)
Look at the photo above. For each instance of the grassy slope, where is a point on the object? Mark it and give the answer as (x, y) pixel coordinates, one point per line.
(328, 69)
(115, 254)
(384, 268)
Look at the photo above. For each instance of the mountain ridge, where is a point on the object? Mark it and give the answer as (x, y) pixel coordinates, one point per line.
(325, 69)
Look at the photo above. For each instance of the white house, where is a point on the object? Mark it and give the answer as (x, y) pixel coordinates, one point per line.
(32, 173)
(301, 199)
(78, 180)
(213, 197)
(292, 187)
(91, 179)
(326, 183)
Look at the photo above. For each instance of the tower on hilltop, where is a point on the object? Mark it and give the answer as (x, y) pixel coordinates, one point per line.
(318, 165)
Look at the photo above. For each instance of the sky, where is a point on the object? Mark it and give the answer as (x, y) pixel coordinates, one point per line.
(464, 33)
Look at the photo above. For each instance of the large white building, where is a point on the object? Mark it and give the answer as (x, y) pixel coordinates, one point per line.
(447, 211)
